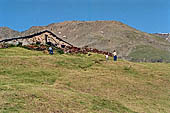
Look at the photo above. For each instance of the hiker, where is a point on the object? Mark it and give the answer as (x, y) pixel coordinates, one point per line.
(50, 50)
(114, 55)
(107, 57)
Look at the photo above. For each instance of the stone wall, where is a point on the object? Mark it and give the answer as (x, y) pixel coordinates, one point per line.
(41, 38)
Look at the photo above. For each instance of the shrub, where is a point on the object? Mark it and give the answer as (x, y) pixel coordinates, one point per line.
(60, 51)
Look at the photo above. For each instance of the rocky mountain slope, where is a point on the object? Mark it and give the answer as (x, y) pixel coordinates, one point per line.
(108, 36)
(163, 35)
(6, 32)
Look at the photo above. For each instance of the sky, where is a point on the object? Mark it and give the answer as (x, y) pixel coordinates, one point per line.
(152, 16)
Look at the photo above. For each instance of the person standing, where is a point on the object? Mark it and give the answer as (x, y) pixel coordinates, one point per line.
(114, 55)
(51, 50)
(107, 57)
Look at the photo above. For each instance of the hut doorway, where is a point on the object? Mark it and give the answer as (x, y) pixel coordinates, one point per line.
(46, 40)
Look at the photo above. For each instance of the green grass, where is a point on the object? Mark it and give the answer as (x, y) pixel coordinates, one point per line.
(149, 53)
(31, 81)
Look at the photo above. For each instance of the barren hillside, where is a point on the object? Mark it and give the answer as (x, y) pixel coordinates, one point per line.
(6, 32)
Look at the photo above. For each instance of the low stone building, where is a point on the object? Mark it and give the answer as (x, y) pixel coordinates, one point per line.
(44, 37)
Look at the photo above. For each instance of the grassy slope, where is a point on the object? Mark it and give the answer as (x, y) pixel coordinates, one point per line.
(150, 53)
(31, 81)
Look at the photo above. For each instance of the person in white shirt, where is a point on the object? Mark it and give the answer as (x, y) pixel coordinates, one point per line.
(107, 57)
(50, 50)
(114, 55)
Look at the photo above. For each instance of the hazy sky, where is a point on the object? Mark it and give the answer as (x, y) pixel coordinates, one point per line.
(146, 15)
